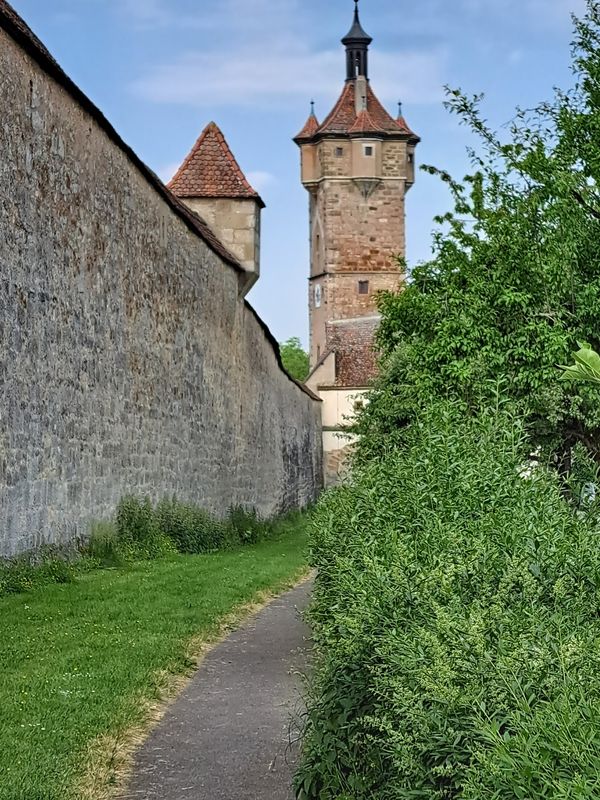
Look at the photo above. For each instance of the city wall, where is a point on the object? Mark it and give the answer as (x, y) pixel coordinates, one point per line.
(129, 361)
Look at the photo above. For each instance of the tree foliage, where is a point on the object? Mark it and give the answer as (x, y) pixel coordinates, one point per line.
(295, 359)
(514, 281)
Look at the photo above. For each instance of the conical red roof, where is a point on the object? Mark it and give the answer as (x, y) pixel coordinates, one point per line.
(403, 125)
(210, 170)
(310, 128)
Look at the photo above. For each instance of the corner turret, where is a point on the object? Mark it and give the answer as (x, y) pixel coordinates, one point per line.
(211, 183)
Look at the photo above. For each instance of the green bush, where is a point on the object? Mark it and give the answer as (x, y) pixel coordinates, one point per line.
(141, 532)
(28, 572)
(191, 529)
(138, 532)
(246, 525)
(457, 627)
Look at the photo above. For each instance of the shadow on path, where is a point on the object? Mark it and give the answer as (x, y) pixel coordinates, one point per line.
(227, 737)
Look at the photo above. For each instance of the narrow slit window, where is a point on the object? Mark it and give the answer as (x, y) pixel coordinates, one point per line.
(363, 287)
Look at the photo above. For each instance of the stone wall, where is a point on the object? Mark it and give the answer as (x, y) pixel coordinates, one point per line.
(129, 362)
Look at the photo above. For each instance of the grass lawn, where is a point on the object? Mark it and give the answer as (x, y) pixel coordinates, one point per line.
(78, 661)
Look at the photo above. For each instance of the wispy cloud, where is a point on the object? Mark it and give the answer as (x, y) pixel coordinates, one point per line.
(283, 74)
(266, 52)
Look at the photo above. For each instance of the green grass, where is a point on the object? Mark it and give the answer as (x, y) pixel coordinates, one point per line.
(78, 660)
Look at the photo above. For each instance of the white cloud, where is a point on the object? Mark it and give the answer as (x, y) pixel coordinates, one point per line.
(285, 75)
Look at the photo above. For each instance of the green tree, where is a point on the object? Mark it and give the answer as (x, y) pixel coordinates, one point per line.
(294, 358)
(514, 281)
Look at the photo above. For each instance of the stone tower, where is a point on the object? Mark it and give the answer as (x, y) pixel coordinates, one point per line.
(212, 184)
(357, 166)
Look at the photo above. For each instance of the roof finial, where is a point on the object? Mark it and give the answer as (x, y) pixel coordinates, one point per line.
(312, 107)
(399, 108)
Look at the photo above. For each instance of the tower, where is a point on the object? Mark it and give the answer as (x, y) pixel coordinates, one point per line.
(212, 184)
(357, 166)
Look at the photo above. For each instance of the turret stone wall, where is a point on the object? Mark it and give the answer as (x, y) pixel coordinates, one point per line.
(128, 361)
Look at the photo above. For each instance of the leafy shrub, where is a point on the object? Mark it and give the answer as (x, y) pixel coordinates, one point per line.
(246, 525)
(191, 529)
(183, 527)
(456, 625)
(138, 533)
(29, 572)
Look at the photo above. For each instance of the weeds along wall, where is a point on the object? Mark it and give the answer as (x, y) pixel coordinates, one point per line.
(129, 361)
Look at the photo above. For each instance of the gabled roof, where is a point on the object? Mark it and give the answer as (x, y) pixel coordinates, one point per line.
(210, 170)
(364, 124)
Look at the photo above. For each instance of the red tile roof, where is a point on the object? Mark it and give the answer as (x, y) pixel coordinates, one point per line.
(210, 170)
(403, 125)
(364, 124)
(343, 114)
(344, 120)
(353, 342)
(310, 128)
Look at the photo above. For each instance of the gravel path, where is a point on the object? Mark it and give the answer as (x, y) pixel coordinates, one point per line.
(227, 737)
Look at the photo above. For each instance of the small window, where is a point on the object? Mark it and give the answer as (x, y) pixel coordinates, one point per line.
(339, 151)
(363, 287)
(411, 158)
(358, 406)
(318, 352)
(368, 150)
(318, 295)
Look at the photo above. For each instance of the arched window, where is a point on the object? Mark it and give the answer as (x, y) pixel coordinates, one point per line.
(318, 295)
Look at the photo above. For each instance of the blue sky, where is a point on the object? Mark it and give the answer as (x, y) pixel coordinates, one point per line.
(161, 69)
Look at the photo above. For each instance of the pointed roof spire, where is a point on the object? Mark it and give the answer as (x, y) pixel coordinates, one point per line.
(357, 44)
(356, 33)
(311, 125)
(210, 170)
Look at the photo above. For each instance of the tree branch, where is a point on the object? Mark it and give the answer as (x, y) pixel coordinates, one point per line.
(582, 202)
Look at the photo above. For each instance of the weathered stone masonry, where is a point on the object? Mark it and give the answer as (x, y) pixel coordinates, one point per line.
(128, 360)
